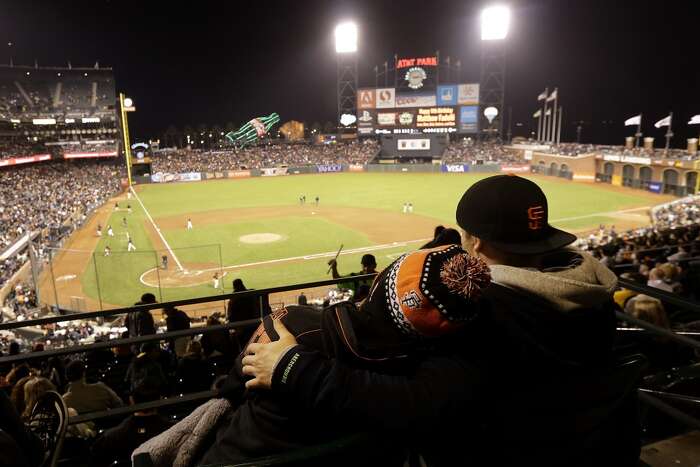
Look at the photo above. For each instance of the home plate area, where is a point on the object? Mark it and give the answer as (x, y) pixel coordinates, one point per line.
(193, 274)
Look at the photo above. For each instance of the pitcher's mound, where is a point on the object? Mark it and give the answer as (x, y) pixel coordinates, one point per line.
(260, 238)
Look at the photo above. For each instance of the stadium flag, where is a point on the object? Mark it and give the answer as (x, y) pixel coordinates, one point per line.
(636, 120)
(552, 96)
(663, 122)
(548, 112)
(537, 114)
(695, 120)
(542, 96)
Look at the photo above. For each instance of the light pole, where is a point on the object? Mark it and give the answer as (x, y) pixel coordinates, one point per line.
(126, 105)
(346, 51)
(495, 23)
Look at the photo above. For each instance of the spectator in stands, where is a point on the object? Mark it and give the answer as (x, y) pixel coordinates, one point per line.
(177, 320)
(84, 397)
(140, 323)
(657, 279)
(145, 369)
(243, 308)
(648, 309)
(369, 266)
(192, 373)
(34, 388)
(680, 255)
(217, 345)
(551, 323)
(116, 444)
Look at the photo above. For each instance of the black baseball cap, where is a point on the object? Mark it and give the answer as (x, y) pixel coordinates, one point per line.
(511, 213)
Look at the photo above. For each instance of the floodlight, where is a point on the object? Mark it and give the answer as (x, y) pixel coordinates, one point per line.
(128, 102)
(490, 113)
(346, 38)
(494, 22)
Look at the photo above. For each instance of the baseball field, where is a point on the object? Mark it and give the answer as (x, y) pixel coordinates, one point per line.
(259, 230)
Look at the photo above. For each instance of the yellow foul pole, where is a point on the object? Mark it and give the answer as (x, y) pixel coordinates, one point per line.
(125, 135)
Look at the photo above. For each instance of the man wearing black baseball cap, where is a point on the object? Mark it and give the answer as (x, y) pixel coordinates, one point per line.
(539, 362)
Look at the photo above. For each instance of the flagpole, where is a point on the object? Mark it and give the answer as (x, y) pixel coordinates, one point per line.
(539, 122)
(559, 125)
(639, 132)
(554, 114)
(544, 111)
(669, 133)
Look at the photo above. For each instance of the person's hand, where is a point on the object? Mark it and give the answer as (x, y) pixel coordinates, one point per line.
(260, 359)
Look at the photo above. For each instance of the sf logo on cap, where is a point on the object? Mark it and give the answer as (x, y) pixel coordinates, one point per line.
(535, 214)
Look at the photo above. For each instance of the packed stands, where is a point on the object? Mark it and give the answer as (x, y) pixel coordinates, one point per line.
(51, 197)
(471, 151)
(273, 155)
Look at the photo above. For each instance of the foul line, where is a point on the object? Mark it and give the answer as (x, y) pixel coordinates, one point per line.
(165, 242)
(596, 214)
(328, 254)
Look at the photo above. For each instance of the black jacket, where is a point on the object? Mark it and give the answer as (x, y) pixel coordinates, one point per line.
(264, 424)
(526, 385)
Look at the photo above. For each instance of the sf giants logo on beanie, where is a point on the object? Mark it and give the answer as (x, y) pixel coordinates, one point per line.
(411, 299)
(535, 214)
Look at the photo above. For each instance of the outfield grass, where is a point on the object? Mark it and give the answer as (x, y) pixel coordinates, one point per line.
(433, 195)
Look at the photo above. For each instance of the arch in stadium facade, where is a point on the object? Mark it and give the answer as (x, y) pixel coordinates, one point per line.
(691, 180)
(670, 177)
(554, 168)
(645, 174)
(628, 171)
(564, 168)
(608, 168)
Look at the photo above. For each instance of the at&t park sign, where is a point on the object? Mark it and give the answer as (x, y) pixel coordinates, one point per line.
(411, 62)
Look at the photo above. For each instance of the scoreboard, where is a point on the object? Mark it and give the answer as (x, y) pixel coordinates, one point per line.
(418, 103)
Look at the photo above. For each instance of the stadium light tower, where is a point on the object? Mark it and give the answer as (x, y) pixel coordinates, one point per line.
(495, 23)
(346, 52)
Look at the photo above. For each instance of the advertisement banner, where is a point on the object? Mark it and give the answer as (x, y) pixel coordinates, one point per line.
(655, 187)
(422, 144)
(356, 168)
(468, 94)
(386, 98)
(386, 118)
(447, 94)
(455, 168)
(469, 119)
(436, 117)
(515, 168)
(415, 100)
(160, 177)
(25, 160)
(238, 174)
(366, 122)
(273, 171)
(325, 168)
(89, 155)
(365, 99)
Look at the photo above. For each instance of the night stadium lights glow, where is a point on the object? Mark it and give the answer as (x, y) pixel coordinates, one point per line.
(346, 38)
(495, 21)
(128, 102)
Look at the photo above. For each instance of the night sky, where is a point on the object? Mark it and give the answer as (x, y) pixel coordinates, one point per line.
(214, 62)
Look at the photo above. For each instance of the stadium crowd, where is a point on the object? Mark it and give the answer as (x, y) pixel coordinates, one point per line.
(53, 198)
(261, 156)
(471, 151)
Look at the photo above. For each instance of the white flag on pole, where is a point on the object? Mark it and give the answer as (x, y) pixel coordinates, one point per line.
(695, 120)
(542, 96)
(552, 96)
(548, 112)
(663, 122)
(633, 121)
(539, 112)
